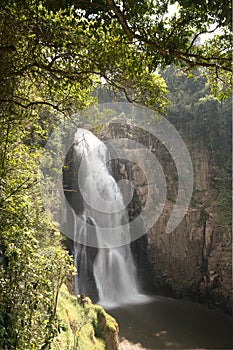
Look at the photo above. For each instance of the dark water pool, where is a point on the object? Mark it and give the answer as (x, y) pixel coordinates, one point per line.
(165, 323)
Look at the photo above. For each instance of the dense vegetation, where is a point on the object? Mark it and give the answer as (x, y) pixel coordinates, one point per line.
(82, 326)
(52, 55)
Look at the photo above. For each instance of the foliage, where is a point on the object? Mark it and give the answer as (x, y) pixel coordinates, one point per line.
(177, 37)
(30, 283)
(33, 264)
(55, 58)
(54, 53)
(195, 110)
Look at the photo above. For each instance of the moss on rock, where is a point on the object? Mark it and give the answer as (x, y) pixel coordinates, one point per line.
(84, 325)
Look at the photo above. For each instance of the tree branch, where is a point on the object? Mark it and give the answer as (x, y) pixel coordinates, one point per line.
(198, 34)
(166, 52)
(33, 103)
(121, 19)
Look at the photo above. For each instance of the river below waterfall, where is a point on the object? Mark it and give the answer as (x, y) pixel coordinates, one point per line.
(165, 323)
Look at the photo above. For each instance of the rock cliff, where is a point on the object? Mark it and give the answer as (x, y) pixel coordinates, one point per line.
(194, 261)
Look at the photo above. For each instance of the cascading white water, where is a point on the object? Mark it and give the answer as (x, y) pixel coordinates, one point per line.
(78, 252)
(114, 268)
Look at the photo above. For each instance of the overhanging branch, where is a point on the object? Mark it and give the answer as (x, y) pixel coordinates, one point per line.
(32, 103)
(190, 58)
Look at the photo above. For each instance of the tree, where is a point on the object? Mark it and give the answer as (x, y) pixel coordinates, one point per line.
(176, 38)
(57, 51)
(57, 56)
(33, 263)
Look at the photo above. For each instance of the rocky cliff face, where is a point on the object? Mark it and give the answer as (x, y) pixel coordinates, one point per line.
(195, 260)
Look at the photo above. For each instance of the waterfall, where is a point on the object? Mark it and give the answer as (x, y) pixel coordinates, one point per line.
(113, 267)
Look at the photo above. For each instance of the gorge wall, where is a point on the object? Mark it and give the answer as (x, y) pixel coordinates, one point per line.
(195, 260)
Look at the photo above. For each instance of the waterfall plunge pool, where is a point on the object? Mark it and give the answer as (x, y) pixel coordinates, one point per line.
(165, 323)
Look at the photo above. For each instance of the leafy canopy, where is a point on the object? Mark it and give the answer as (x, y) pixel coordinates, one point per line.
(54, 52)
